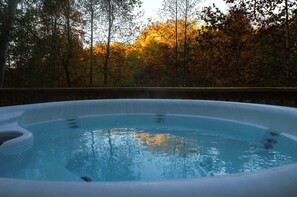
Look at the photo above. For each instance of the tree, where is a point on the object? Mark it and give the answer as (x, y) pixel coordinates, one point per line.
(119, 23)
(227, 48)
(40, 46)
(4, 37)
(170, 10)
(180, 10)
(213, 17)
(267, 13)
(156, 44)
(92, 40)
(67, 10)
(74, 43)
(91, 8)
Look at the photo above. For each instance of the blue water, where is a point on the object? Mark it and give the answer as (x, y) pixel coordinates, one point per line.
(145, 147)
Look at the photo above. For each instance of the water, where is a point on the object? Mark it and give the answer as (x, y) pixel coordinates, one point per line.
(145, 147)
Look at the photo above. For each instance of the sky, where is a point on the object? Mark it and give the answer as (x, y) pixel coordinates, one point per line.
(151, 7)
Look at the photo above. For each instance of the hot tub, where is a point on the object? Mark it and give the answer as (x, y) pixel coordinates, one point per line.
(148, 148)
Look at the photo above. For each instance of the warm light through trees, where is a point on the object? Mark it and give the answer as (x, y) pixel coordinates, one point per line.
(73, 44)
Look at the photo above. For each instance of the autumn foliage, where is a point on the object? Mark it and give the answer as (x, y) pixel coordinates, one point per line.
(224, 50)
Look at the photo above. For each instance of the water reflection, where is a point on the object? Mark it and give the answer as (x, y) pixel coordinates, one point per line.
(105, 155)
(121, 154)
(130, 154)
(167, 143)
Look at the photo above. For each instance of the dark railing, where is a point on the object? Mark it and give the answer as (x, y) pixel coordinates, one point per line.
(276, 96)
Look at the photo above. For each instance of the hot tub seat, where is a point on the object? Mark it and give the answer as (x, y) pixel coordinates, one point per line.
(14, 140)
(9, 135)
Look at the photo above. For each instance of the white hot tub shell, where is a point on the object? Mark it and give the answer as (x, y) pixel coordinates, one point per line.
(279, 181)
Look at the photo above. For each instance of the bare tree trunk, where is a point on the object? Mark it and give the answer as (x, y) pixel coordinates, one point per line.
(176, 43)
(53, 52)
(107, 55)
(186, 62)
(91, 47)
(69, 46)
(287, 43)
(4, 37)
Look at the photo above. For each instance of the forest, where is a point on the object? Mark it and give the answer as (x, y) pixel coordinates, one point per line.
(103, 43)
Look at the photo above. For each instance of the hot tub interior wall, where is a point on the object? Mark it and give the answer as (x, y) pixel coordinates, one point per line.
(275, 118)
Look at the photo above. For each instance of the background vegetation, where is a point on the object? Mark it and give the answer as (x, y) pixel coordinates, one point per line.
(99, 43)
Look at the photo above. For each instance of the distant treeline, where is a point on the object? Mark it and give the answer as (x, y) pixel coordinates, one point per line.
(97, 43)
